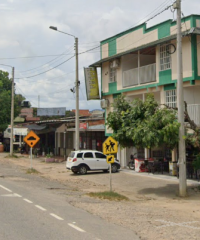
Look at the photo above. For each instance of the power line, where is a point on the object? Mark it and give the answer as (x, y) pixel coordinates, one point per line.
(47, 70)
(49, 61)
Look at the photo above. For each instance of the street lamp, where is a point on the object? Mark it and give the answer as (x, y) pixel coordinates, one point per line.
(76, 85)
(12, 109)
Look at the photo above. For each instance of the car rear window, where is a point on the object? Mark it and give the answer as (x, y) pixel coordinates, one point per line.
(88, 155)
(79, 155)
(100, 155)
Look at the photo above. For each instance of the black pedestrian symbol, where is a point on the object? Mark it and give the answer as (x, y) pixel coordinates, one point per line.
(109, 159)
(112, 144)
(107, 147)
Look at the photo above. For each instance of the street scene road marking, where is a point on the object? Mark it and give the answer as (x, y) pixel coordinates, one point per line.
(41, 208)
(171, 224)
(5, 188)
(27, 200)
(11, 195)
(75, 227)
(57, 217)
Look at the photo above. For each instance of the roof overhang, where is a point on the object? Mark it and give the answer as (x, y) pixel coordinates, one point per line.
(152, 44)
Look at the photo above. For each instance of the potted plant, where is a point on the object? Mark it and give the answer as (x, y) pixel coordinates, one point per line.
(49, 158)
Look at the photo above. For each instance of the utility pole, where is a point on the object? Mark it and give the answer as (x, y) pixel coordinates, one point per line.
(12, 113)
(77, 83)
(77, 96)
(180, 105)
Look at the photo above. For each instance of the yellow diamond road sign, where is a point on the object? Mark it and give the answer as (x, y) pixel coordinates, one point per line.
(110, 158)
(110, 146)
(31, 139)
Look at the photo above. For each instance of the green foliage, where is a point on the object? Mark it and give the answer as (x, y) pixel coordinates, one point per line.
(5, 101)
(196, 162)
(143, 124)
(112, 196)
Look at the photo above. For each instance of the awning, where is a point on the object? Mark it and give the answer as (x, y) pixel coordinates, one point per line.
(36, 127)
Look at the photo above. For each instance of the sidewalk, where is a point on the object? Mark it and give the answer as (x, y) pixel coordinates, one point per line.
(163, 176)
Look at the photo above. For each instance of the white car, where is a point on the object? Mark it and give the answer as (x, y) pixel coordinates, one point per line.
(82, 161)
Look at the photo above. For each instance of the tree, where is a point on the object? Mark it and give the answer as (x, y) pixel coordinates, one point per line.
(5, 101)
(143, 124)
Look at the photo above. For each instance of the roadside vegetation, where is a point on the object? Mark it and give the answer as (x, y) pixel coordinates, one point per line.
(109, 195)
(32, 171)
(11, 156)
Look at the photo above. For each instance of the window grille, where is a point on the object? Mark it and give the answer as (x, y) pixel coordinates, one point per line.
(113, 74)
(165, 57)
(171, 98)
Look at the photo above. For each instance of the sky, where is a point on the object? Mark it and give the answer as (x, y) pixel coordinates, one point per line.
(44, 59)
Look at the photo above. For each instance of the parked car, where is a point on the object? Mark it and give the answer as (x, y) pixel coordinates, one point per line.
(82, 161)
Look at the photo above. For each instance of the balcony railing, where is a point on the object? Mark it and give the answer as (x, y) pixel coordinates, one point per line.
(194, 112)
(137, 76)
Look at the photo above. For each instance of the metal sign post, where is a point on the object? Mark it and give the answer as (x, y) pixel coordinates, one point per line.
(110, 159)
(31, 139)
(110, 179)
(31, 156)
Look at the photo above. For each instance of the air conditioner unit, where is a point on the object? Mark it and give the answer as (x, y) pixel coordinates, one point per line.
(114, 63)
(104, 103)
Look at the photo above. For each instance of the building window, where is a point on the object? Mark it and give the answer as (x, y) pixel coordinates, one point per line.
(171, 98)
(113, 74)
(165, 57)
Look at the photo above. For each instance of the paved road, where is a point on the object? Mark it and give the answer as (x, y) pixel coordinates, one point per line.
(35, 208)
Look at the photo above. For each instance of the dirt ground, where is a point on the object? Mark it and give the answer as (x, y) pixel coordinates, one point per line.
(154, 209)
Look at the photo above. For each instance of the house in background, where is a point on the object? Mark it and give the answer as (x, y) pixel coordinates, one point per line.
(143, 60)
(91, 132)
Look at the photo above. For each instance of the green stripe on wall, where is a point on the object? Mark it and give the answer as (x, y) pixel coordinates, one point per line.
(165, 77)
(112, 48)
(164, 30)
(169, 87)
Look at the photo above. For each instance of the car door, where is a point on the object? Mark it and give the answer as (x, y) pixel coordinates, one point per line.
(88, 158)
(101, 162)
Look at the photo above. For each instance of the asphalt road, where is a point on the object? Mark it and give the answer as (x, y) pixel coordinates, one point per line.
(32, 207)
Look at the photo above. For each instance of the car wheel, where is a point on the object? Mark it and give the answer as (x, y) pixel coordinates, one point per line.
(82, 170)
(114, 168)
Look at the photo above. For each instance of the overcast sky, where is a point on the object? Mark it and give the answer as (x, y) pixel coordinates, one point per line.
(27, 43)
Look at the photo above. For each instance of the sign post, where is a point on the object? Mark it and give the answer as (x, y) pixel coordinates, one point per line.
(109, 147)
(31, 139)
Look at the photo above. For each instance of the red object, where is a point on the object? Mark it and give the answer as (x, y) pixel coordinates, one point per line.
(83, 125)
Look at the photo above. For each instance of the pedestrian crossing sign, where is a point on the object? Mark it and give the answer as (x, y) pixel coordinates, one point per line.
(110, 146)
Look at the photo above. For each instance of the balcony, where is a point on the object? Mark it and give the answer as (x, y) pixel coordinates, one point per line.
(194, 112)
(138, 76)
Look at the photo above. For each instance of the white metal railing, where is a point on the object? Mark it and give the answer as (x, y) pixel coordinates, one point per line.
(137, 76)
(194, 112)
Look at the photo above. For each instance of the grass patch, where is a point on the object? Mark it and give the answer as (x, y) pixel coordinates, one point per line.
(32, 170)
(112, 196)
(11, 156)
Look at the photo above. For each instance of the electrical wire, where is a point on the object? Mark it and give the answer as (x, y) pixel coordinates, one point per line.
(61, 55)
(47, 70)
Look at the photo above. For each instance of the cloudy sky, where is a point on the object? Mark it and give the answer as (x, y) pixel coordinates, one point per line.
(27, 43)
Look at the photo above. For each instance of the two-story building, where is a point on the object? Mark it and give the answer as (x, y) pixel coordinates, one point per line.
(143, 60)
